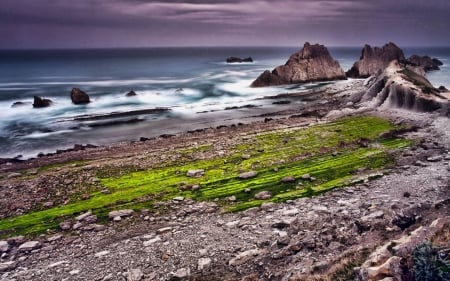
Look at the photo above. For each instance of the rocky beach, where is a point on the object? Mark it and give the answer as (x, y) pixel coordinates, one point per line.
(339, 182)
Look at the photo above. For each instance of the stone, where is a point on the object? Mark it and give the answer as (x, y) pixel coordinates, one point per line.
(79, 97)
(312, 63)
(4, 246)
(263, 195)
(74, 272)
(101, 254)
(54, 238)
(152, 241)
(244, 257)
(195, 173)
(288, 179)
(203, 263)
(48, 204)
(120, 213)
(372, 216)
(135, 274)
(178, 198)
(7, 266)
(39, 102)
(374, 60)
(232, 224)
(83, 216)
(389, 268)
(306, 177)
(180, 274)
(163, 230)
(77, 225)
(16, 240)
(14, 175)
(29, 246)
(248, 175)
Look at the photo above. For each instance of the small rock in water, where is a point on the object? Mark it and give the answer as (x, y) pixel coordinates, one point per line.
(248, 175)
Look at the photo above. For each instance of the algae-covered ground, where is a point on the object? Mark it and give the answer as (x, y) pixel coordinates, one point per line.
(315, 158)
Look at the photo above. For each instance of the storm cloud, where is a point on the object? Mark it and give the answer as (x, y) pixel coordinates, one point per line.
(139, 23)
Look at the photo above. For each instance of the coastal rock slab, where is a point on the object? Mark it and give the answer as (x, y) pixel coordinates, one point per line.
(79, 97)
(375, 59)
(312, 63)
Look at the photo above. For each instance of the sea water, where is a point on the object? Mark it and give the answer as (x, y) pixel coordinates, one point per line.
(189, 81)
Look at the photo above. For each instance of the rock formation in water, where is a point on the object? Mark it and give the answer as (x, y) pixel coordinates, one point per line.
(425, 62)
(374, 60)
(235, 59)
(40, 102)
(312, 63)
(79, 97)
(131, 94)
(401, 87)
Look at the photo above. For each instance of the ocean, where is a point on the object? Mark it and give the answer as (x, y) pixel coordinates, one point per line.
(189, 81)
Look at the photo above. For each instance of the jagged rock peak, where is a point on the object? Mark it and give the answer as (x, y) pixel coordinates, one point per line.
(374, 60)
(312, 63)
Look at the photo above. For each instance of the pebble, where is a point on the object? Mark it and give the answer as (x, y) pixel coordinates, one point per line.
(101, 254)
(29, 246)
(203, 262)
(195, 173)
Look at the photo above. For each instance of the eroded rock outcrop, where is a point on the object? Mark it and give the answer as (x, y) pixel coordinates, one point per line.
(79, 97)
(312, 63)
(374, 60)
(401, 87)
(238, 60)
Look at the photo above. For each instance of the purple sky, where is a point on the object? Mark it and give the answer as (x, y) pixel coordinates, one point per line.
(141, 23)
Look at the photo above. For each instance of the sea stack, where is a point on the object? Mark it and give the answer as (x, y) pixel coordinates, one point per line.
(374, 60)
(79, 97)
(312, 63)
(39, 102)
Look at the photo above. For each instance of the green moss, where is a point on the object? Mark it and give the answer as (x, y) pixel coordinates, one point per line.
(331, 153)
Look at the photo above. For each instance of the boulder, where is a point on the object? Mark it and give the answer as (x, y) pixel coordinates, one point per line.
(40, 102)
(312, 63)
(374, 60)
(425, 62)
(238, 60)
(79, 97)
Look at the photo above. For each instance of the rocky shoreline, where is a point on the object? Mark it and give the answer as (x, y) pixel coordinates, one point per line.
(316, 237)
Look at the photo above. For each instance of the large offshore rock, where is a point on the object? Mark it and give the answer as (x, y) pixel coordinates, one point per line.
(312, 63)
(79, 97)
(374, 60)
(425, 62)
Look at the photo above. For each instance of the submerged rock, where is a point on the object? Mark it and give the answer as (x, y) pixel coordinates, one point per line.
(19, 104)
(40, 102)
(312, 63)
(131, 94)
(374, 60)
(79, 97)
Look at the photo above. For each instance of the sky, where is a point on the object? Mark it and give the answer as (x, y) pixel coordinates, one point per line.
(34, 24)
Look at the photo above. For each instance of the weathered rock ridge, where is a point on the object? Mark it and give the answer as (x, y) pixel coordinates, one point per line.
(425, 62)
(312, 63)
(374, 60)
(400, 87)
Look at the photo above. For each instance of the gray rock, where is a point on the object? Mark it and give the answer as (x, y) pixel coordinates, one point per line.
(263, 195)
(13, 175)
(195, 173)
(4, 246)
(244, 257)
(83, 216)
(372, 216)
(7, 266)
(180, 274)
(288, 179)
(248, 175)
(163, 230)
(152, 241)
(79, 97)
(29, 246)
(135, 275)
(120, 213)
(16, 240)
(203, 263)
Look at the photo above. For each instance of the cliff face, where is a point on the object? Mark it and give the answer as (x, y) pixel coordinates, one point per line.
(399, 87)
(312, 63)
(376, 59)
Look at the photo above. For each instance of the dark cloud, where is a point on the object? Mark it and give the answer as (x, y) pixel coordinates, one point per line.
(116, 23)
